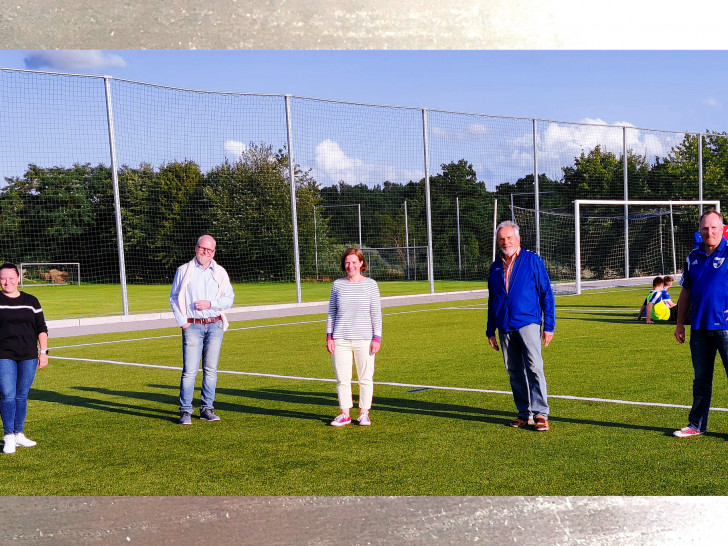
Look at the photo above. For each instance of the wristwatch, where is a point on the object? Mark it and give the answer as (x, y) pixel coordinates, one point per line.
(44, 351)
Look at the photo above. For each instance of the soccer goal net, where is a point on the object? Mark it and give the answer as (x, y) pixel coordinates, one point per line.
(47, 274)
(611, 240)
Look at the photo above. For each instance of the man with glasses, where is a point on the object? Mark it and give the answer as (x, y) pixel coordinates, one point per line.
(201, 292)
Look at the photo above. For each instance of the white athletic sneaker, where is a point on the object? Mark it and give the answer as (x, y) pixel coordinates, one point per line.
(22, 441)
(364, 420)
(9, 443)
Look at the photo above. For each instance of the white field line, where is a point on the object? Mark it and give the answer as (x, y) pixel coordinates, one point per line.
(389, 384)
(406, 385)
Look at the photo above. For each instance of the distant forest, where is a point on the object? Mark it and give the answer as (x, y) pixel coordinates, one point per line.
(66, 214)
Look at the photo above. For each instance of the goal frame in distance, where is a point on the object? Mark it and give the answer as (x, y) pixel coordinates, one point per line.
(626, 203)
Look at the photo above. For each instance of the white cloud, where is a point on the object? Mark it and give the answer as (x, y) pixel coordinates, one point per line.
(332, 165)
(473, 130)
(336, 165)
(234, 149)
(73, 60)
(712, 102)
(477, 129)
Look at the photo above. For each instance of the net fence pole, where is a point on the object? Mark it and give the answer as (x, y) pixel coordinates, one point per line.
(672, 239)
(662, 246)
(457, 219)
(700, 171)
(428, 204)
(577, 249)
(495, 223)
(535, 188)
(294, 216)
(358, 208)
(315, 242)
(117, 200)
(406, 238)
(626, 206)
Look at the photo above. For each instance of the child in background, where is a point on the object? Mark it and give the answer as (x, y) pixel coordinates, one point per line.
(667, 281)
(653, 298)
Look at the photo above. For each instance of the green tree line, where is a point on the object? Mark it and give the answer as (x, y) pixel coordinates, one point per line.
(60, 214)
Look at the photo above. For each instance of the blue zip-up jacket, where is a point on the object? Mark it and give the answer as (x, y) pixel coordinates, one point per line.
(529, 300)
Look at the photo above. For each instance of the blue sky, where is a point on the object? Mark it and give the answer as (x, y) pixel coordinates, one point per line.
(665, 90)
(673, 90)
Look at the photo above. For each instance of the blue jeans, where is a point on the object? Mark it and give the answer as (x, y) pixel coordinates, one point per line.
(16, 377)
(703, 346)
(524, 364)
(200, 342)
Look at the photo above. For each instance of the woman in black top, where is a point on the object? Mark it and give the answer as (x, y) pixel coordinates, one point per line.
(23, 333)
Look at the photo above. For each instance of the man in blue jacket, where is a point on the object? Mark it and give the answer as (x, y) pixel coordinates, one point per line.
(520, 300)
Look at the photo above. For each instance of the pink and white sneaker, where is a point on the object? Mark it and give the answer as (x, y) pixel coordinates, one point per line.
(341, 420)
(687, 432)
(364, 420)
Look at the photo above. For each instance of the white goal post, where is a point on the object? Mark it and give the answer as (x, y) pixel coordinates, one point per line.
(626, 203)
(50, 273)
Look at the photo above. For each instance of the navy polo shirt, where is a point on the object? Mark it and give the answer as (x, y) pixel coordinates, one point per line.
(706, 276)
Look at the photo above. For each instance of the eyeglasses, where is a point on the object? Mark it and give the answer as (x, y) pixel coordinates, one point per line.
(206, 250)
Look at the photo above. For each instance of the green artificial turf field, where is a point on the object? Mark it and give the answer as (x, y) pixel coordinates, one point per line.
(107, 427)
(93, 300)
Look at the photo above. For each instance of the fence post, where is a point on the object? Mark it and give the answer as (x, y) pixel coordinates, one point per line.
(535, 188)
(700, 171)
(406, 238)
(626, 198)
(457, 217)
(117, 200)
(315, 242)
(428, 205)
(294, 216)
(495, 224)
(577, 248)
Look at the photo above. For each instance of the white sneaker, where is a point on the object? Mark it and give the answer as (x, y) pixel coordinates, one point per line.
(364, 420)
(22, 441)
(9, 443)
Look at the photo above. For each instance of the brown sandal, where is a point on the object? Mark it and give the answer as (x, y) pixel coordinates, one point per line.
(542, 424)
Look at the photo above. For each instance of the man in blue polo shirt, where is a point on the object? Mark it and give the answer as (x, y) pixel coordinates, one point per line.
(705, 285)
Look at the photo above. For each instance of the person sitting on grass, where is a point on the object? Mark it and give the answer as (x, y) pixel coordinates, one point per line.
(653, 298)
(671, 304)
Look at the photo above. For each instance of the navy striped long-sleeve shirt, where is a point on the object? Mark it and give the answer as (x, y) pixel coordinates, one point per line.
(355, 310)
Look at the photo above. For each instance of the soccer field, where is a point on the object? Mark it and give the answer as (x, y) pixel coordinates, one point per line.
(104, 413)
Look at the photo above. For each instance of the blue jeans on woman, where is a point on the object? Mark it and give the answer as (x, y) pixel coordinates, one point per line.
(704, 344)
(16, 377)
(524, 364)
(200, 342)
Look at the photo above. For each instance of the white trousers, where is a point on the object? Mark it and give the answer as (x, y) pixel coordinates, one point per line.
(346, 353)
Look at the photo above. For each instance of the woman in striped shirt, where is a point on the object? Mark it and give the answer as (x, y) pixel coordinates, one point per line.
(23, 348)
(354, 334)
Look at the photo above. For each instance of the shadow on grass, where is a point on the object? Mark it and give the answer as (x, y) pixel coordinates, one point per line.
(105, 405)
(327, 399)
(628, 319)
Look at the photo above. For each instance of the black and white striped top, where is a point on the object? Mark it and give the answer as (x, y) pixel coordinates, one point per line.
(355, 310)
(21, 320)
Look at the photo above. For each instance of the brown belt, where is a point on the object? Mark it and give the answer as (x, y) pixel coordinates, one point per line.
(203, 320)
